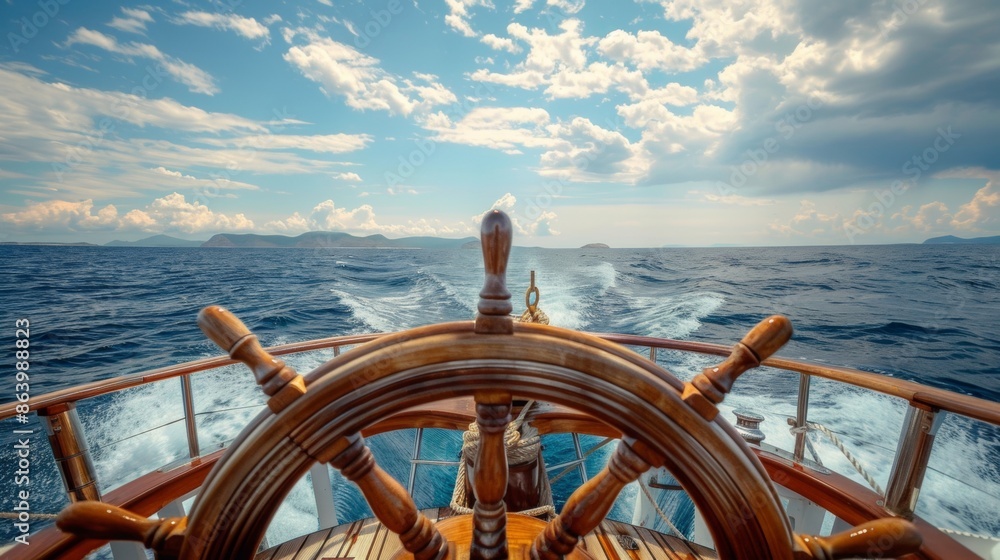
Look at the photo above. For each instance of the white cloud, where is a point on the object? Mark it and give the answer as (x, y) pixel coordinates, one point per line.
(539, 226)
(738, 200)
(648, 50)
(560, 64)
(567, 6)
(132, 20)
(166, 214)
(982, 213)
(89, 143)
(348, 176)
(196, 79)
(458, 16)
(564, 6)
(327, 143)
(576, 150)
(272, 19)
(247, 27)
(500, 43)
(327, 216)
(174, 213)
(930, 217)
(494, 127)
(343, 70)
(522, 5)
(63, 215)
(809, 221)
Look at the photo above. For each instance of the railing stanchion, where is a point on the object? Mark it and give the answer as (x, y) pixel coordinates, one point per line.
(910, 464)
(189, 419)
(323, 492)
(652, 354)
(801, 410)
(69, 447)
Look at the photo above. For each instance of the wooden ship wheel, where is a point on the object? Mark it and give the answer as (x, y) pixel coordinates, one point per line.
(664, 422)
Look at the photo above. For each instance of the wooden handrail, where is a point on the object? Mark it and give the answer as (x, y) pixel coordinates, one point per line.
(920, 395)
(106, 386)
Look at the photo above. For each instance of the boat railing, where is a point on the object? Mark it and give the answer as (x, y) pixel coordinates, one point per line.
(925, 407)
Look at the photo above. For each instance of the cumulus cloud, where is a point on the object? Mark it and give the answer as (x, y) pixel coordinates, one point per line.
(540, 225)
(63, 215)
(810, 222)
(171, 213)
(500, 43)
(577, 150)
(196, 79)
(348, 176)
(458, 16)
(327, 216)
(648, 50)
(982, 213)
(342, 70)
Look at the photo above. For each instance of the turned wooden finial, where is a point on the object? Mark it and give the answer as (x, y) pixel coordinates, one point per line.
(494, 299)
(279, 381)
(709, 387)
(98, 520)
(882, 538)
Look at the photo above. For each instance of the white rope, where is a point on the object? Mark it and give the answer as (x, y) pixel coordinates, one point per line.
(840, 445)
(659, 511)
(966, 534)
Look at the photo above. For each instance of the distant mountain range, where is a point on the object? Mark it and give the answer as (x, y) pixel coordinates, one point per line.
(156, 241)
(312, 239)
(952, 240)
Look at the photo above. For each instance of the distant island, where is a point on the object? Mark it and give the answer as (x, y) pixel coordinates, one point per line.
(333, 239)
(952, 240)
(595, 246)
(49, 243)
(156, 241)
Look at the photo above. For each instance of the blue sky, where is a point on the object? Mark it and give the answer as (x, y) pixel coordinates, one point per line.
(637, 124)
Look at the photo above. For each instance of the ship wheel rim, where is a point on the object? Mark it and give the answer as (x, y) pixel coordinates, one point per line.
(371, 382)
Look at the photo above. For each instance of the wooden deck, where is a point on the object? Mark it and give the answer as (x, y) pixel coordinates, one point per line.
(368, 539)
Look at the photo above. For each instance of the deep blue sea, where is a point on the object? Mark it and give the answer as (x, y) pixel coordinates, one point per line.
(926, 313)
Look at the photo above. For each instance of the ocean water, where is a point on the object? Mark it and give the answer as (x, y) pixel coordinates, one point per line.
(924, 313)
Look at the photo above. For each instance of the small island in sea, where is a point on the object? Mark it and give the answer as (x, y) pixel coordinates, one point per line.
(596, 246)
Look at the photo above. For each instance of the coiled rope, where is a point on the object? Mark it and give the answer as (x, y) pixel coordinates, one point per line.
(523, 445)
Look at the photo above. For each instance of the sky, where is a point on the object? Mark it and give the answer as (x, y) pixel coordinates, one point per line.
(633, 123)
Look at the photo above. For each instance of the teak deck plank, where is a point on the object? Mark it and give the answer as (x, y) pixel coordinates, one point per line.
(310, 549)
(367, 539)
(287, 550)
(336, 539)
